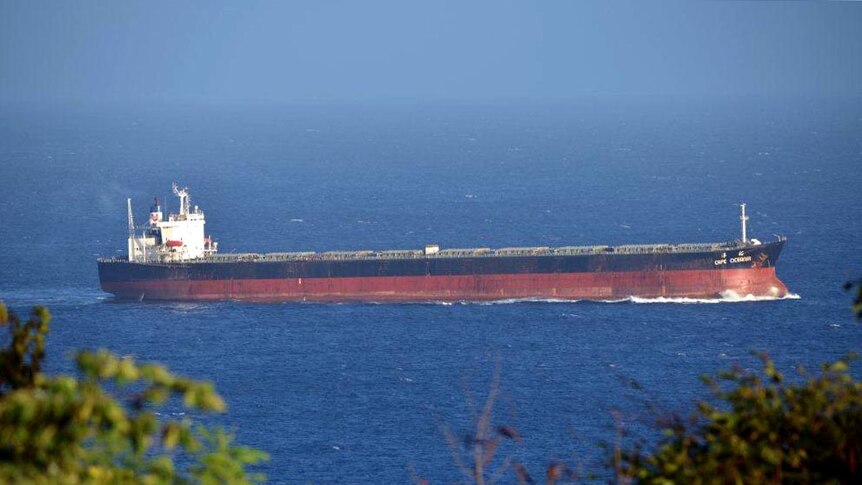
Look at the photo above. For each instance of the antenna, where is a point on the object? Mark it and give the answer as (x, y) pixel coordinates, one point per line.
(744, 219)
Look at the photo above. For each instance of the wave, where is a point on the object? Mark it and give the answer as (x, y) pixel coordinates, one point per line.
(53, 296)
(510, 301)
(507, 301)
(728, 296)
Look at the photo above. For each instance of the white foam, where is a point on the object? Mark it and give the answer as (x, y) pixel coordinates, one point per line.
(507, 301)
(186, 307)
(53, 296)
(726, 297)
(510, 301)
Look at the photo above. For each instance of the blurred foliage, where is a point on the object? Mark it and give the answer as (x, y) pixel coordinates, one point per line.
(476, 453)
(480, 454)
(763, 429)
(102, 427)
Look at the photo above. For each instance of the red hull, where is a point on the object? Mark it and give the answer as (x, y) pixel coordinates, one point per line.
(569, 286)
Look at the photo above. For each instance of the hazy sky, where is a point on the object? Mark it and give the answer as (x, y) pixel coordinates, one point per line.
(140, 51)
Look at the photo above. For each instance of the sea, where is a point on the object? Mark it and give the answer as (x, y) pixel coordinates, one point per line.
(389, 393)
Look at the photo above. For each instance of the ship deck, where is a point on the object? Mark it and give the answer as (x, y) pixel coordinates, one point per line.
(457, 253)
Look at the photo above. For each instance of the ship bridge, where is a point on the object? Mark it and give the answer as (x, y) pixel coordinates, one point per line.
(179, 238)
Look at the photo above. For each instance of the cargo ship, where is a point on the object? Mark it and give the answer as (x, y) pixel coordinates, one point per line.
(172, 259)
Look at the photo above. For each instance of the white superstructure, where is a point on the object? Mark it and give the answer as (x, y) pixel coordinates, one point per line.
(180, 238)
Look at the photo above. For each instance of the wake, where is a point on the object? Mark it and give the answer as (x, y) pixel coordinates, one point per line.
(53, 296)
(728, 296)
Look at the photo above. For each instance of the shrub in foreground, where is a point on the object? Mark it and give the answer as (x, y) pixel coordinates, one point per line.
(762, 429)
(102, 427)
(759, 428)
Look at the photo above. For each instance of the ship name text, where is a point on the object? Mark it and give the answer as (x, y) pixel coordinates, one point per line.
(741, 258)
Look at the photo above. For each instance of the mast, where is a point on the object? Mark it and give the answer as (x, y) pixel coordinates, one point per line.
(744, 219)
(183, 194)
(132, 241)
(131, 218)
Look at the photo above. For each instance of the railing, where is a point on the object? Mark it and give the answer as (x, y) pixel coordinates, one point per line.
(457, 253)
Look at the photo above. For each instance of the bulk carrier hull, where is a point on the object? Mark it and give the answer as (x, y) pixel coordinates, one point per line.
(589, 273)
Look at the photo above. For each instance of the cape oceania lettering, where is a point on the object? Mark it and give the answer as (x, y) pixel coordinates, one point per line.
(741, 258)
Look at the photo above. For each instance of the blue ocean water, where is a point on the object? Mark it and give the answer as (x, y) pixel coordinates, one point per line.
(358, 393)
